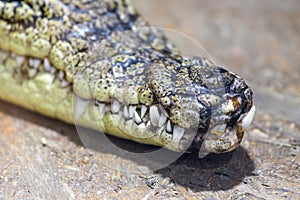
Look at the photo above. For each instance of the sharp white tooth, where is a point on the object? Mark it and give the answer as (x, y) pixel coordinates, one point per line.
(143, 111)
(35, 63)
(64, 83)
(137, 118)
(131, 111)
(47, 64)
(20, 60)
(248, 118)
(162, 120)
(169, 127)
(52, 70)
(80, 107)
(177, 133)
(61, 75)
(125, 112)
(115, 106)
(101, 107)
(142, 127)
(148, 124)
(154, 115)
(30, 62)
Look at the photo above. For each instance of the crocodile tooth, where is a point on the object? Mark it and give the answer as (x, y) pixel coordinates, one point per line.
(101, 107)
(142, 127)
(131, 111)
(177, 133)
(64, 83)
(52, 70)
(47, 65)
(143, 111)
(169, 127)
(115, 106)
(80, 107)
(61, 75)
(137, 118)
(20, 60)
(248, 118)
(148, 124)
(36, 63)
(33, 62)
(30, 62)
(125, 112)
(154, 115)
(162, 120)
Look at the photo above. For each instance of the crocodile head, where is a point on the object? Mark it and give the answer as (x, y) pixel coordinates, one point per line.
(175, 102)
(210, 105)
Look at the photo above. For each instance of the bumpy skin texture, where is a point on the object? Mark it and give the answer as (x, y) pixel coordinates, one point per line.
(129, 79)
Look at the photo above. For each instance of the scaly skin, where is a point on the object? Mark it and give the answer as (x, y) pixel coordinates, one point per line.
(128, 80)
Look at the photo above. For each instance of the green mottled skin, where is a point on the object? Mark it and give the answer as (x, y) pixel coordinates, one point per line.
(102, 51)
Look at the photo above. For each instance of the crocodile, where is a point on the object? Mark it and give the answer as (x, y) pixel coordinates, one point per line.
(99, 64)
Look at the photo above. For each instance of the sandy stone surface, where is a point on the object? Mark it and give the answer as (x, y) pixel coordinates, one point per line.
(42, 158)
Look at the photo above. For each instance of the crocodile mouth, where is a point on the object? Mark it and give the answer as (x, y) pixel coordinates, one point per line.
(140, 122)
(225, 137)
(136, 122)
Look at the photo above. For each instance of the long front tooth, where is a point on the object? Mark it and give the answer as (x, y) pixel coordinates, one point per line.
(154, 115)
(177, 133)
(125, 112)
(115, 106)
(137, 118)
(162, 120)
(248, 118)
(143, 111)
(131, 111)
(169, 127)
